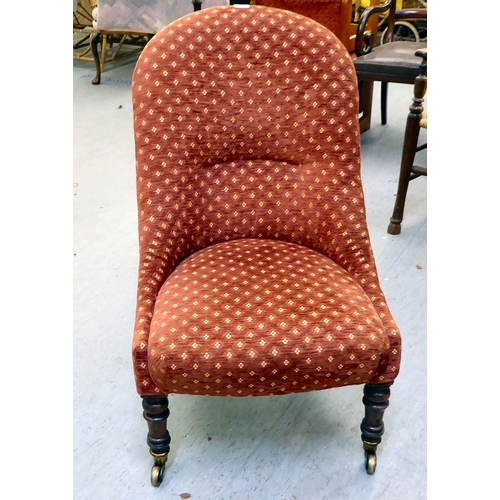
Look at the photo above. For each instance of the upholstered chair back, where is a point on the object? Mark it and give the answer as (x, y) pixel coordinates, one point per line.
(335, 15)
(246, 126)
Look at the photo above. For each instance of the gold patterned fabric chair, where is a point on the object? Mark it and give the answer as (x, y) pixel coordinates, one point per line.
(256, 273)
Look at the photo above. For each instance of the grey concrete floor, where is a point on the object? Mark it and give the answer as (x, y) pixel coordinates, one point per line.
(304, 447)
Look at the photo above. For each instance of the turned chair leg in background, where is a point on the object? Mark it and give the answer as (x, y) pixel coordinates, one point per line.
(94, 44)
(156, 413)
(376, 400)
(409, 171)
(405, 173)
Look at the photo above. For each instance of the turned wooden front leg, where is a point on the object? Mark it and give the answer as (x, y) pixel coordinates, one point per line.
(156, 413)
(376, 400)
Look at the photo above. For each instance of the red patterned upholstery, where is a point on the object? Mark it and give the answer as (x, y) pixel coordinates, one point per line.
(335, 15)
(256, 271)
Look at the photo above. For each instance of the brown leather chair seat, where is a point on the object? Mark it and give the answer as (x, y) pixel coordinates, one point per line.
(392, 61)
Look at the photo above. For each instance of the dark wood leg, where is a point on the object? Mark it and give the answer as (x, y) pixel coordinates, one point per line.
(365, 104)
(383, 102)
(156, 413)
(405, 172)
(196, 5)
(94, 43)
(408, 170)
(376, 400)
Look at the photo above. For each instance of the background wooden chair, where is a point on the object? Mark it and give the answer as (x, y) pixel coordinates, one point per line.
(392, 61)
(83, 29)
(256, 272)
(416, 120)
(122, 28)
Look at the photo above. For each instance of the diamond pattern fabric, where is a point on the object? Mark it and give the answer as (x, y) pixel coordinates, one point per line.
(257, 316)
(247, 146)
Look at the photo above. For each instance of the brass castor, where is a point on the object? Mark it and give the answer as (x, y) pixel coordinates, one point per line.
(158, 468)
(370, 461)
(370, 456)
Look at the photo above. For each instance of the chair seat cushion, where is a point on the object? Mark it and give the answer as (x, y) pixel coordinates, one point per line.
(395, 60)
(262, 317)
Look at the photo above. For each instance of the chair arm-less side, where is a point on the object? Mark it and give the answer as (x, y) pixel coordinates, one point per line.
(256, 272)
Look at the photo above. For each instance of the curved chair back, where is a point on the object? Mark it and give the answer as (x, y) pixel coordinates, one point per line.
(246, 133)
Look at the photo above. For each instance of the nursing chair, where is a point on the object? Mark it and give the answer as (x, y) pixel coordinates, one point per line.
(256, 273)
(392, 61)
(417, 119)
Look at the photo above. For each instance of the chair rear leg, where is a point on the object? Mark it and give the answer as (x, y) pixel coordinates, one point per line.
(383, 102)
(156, 413)
(376, 400)
(365, 104)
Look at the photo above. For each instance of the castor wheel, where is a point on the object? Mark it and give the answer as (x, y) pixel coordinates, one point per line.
(370, 461)
(157, 474)
(158, 469)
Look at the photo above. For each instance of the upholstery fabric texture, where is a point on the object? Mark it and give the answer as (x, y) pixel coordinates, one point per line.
(256, 273)
(333, 14)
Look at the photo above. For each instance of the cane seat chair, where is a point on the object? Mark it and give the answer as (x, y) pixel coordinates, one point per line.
(392, 61)
(123, 27)
(256, 273)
